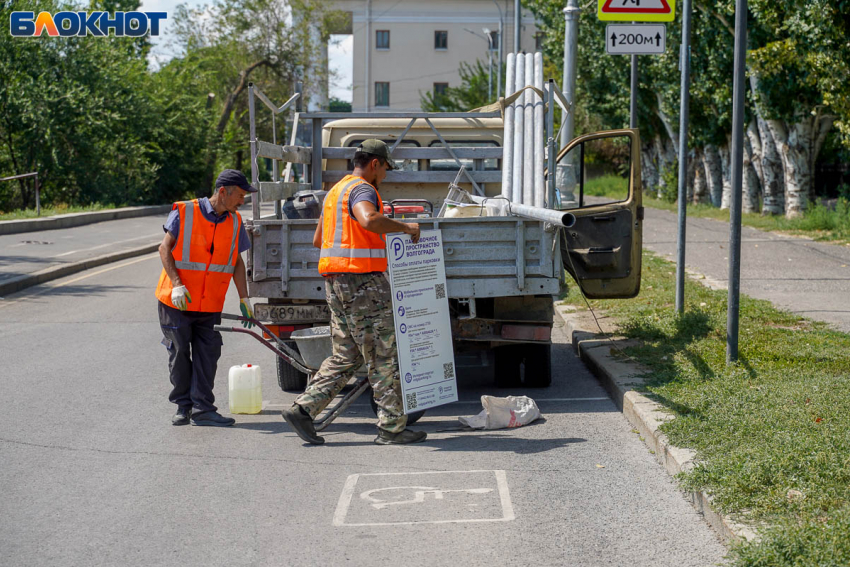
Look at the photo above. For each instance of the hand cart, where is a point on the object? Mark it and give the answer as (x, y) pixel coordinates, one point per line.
(312, 343)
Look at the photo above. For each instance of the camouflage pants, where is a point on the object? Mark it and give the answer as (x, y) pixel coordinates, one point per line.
(362, 330)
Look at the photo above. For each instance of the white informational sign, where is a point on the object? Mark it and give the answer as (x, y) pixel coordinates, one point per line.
(423, 330)
(635, 39)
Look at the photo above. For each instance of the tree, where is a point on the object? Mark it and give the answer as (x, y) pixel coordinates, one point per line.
(472, 92)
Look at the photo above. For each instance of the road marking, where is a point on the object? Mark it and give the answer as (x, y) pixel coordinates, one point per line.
(7, 303)
(420, 496)
(105, 245)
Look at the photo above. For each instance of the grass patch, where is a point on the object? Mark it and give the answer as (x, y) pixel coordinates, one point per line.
(819, 222)
(772, 433)
(52, 211)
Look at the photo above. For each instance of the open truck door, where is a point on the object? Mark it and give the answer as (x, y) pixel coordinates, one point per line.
(602, 250)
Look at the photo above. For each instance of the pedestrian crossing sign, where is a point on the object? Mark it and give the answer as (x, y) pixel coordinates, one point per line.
(636, 10)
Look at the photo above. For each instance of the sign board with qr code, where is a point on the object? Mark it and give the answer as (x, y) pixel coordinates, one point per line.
(423, 330)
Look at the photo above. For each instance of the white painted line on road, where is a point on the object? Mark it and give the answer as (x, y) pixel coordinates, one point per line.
(75, 280)
(421, 493)
(105, 245)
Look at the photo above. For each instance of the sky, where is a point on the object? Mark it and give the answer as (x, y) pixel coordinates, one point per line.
(339, 49)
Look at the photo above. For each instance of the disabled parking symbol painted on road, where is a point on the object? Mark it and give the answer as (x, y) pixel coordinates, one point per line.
(437, 497)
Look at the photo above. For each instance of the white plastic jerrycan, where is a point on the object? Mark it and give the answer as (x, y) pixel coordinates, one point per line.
(245, 387)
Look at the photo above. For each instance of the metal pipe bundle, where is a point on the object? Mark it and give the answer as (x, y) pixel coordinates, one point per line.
(524, 141)
(508, 136)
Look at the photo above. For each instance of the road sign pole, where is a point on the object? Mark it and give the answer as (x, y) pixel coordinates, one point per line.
(633, 99)
(684, 108)
(733, 303)
(571, 15)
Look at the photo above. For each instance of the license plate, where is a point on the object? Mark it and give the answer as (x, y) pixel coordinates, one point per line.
(291, 313)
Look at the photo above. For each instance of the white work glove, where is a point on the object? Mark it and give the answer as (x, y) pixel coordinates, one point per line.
(247, 311)
(179, 297)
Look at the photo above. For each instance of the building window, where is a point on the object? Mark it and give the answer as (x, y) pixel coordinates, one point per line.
(440, 89)
(494, 40)
(382, 94)
(441, 40)
(538, 41)
(382, 39)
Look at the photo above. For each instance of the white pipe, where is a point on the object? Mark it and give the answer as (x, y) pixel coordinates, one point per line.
(519, 126)
(539, 135)
(508, 135)
(368, 43)
(528, 133)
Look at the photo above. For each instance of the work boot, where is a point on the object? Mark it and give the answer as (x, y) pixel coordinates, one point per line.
(401, 438)
(182, 416)
(212, 419)
(301, 422)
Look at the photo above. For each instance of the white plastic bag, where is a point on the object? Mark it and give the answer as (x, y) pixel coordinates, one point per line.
(498, 413)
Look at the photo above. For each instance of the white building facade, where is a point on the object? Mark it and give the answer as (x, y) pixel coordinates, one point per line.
(405, 48)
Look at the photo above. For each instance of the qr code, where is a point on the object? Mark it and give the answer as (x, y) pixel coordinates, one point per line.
(411, 400)
(449, 370)
(440, 290)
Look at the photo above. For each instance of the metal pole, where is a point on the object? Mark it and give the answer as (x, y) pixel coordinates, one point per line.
(684, 108)
(252, 136)
(633, 95)
(571, 16)
(37, 196)
(499, 80)
(550, 141)
(517, 25)
(732, 304)
(368, 42)
(278, 211)
(490, 68)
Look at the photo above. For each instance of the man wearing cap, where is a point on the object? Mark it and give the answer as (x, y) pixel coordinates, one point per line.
(201, 253)
(353, 262)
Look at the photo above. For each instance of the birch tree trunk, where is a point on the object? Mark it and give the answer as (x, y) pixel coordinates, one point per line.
(793, 144)
(700, 186)
(754, 145)
(773, 175)
(713, 174)
(649, 172)
(726, 172)
(750, 201)
(689, 180)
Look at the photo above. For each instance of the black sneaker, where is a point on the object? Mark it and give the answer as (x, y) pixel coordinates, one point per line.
(401, 438)
(212, 418)
(181, 417)
(302, 424)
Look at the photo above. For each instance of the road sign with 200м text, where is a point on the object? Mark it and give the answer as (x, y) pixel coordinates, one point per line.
(635, 39)
(636, 10)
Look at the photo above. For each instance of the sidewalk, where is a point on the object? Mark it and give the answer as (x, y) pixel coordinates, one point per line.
(800, 275)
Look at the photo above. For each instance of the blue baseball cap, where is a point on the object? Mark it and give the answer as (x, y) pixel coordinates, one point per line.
(230, 177)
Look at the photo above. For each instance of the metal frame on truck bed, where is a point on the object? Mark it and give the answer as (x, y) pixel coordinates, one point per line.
(502, 271)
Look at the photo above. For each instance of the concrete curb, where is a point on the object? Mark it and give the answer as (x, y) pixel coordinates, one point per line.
(78, 219)
(620, 378)
(56, 272)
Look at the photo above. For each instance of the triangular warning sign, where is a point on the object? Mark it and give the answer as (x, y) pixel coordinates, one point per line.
(635, 7)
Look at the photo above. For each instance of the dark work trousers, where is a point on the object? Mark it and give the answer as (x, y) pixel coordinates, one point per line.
(193, 352)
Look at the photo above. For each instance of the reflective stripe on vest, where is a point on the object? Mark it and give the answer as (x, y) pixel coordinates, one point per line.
(337, 250)
(188, 224)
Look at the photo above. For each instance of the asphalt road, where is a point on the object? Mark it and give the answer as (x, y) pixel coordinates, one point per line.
(93, 473)
(798, 274)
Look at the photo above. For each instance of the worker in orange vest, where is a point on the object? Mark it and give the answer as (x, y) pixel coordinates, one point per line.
(353, 262)
(201, 253)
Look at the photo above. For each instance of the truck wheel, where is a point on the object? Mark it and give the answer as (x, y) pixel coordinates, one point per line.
(506, 366)
(538, 366)
(288, 378)
(411, 417)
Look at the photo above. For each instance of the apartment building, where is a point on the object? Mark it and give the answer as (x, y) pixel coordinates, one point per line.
(403, 48)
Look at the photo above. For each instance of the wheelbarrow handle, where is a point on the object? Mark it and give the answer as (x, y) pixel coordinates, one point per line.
(287, 356)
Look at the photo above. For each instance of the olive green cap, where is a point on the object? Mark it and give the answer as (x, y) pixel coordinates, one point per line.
(377, 148)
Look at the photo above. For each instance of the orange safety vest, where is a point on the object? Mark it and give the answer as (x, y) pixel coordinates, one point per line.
(205, 255)
(347, 247)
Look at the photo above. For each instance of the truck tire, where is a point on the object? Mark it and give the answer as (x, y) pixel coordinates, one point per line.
(411, 417)
(538, 366)
(288, 378)
(506, 366)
